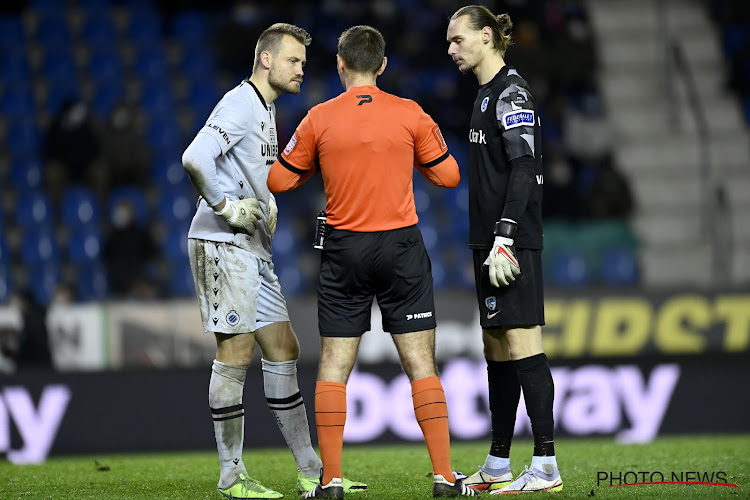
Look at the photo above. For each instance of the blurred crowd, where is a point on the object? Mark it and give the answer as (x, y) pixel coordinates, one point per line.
(99, 98)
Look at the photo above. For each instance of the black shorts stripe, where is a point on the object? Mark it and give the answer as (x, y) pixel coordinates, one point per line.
(281, 401)
(279, 408)
(436, 161)
(291, 167)
(226, 409)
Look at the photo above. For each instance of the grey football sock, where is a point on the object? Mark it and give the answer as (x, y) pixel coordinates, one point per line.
(225, 400)
(286, 404)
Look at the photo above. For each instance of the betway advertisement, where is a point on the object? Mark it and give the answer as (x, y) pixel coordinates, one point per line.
(631, 400)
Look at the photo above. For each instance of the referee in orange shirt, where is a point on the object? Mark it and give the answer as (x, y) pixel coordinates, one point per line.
(366, 144)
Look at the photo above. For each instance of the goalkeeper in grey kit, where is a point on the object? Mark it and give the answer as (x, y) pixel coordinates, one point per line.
(229, 245)
(505, 226)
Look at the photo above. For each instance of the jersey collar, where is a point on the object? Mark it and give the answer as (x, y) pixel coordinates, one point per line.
(260, 96)
(500, 74)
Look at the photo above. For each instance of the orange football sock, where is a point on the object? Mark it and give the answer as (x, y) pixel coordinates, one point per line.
(330, 417)
(432, 414)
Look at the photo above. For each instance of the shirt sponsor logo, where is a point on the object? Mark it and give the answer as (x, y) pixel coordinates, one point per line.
(477, 136)
(485, 101)
(290, 146)
(220, 131)
(515, 119)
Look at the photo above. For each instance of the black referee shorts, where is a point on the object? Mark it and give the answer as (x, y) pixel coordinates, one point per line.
(521, 303)
(390, 265)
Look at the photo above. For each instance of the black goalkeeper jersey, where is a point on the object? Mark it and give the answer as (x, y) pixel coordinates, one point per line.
(504, 127)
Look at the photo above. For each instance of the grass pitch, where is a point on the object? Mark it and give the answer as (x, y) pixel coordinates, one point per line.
(397, 472)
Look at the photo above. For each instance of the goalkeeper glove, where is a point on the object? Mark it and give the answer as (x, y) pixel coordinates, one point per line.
(242, 215)
(273, 214)
(502, 259)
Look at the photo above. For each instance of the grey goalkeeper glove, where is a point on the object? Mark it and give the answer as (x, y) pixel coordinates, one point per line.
(273, 215)
(502, 262)
(242, 215)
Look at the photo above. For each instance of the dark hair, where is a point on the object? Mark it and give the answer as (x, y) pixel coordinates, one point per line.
(362, 48)
(480, 16)
(271, 38)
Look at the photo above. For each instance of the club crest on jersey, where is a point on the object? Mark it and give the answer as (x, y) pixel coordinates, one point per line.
(233, 318)
(485, 102)
(491, 303)
(520, 118)
(290, 145)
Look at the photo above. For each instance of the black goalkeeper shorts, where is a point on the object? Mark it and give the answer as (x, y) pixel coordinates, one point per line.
(390, 265)
(521, 303)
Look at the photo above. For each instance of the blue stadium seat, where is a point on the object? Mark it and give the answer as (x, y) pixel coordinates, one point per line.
(38, 247)
(98, 29)
(174, 246)
(151, 64)
(84, 246)
(619, 267)
(164, 137)
(105, 64)
(440, 273)
(33, 209)
(48, 6)
(144, 27)
(58, 65)
(190, 28)
(196, 63)
(158, 100)
(25, 174)
(107, 94)
(80, 208)
(570, 269)
(14, 66)
(12, 34)
(168, 173)
(176, 207)
(17, 101)
(202, 96)
(6, 285)
(23, 137)
(58, 93)
(91, 281)
(137, 198)
(52, 30)
(293, 281)
(43, 280)
(181, 280)
(5, 257)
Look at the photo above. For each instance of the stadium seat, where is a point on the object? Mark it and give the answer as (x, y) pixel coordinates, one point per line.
(168, 173)
(158, 100)
(293, 281)
(12, 34)
(196, 63)
(144, 27)
(22, 137)
(181, 282)
(107, 94)
(33, 209)
(105, 64)
(80, 208)
(38, 247)
(619, 267)
(98, 29)
(25, 174)
(164, 137)
(91, 281)
(52, 30)
(58, 65)
(17, 101)
(5, 256)
(176, 207)
(43, 280)
(189, 27)
(6, 285)
(151, 64)
(14, 66)
(84, 246)
(58, 93)
(174, 246)
(570, 269)
(137, 198)
(202, 96)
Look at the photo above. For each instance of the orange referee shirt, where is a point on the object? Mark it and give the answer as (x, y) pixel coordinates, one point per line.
(366, 144)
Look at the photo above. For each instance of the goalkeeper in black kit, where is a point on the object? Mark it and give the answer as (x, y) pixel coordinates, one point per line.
(505, 220)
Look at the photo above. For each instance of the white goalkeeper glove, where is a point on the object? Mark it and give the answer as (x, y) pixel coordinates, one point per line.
(502, 262)
(242, 215)
(273, 215)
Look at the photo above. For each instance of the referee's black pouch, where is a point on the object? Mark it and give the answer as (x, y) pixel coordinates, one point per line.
(321, 230)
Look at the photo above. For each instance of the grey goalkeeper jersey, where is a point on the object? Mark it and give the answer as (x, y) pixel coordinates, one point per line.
(245, 128)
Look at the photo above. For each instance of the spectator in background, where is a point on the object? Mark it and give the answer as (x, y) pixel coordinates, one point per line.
(23, 336)
(611, 195)
(128, 251)
(71, 145)
(124, 149)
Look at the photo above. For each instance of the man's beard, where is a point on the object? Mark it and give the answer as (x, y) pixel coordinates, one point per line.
(284, 87)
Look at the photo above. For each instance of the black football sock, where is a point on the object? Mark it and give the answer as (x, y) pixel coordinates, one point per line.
(539, 394)
(504, 392)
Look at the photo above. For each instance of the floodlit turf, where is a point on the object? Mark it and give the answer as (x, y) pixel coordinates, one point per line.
(393, 472)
